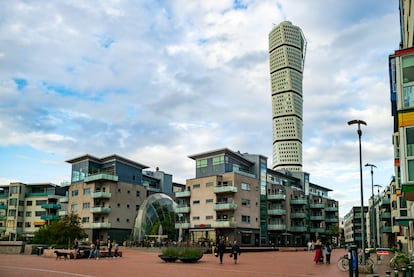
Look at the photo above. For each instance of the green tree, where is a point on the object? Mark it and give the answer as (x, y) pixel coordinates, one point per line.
(60, 233)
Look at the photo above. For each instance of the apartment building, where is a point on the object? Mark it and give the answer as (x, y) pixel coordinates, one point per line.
(235, 196)
(353, 226)
(24, 208)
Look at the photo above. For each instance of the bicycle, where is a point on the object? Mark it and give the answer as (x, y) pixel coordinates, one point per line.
(343, 262)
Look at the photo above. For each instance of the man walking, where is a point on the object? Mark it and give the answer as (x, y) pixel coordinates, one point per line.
(235, 250)
(221, 248)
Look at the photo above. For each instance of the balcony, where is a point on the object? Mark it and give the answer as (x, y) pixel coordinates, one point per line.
(3, 217)
(2, 228)
(224, 224)
(331, 209)
(4, 195)
(317, 217)
(101, 194)
(101, 177)
(298, 229)
(3, 207)
(276, 227)
(51, 206)
(64, 199)
(317, 230)
(276, 211)
(183, 194)
(62, 213)
(277, 196)
(298, 215)
(386, 229)
(183, 225)
(316, 205)
(298, 201)
(50, 217)
(385, 215)
(331, 219)
(225, 189)
(385, 202)
(225, 206)
(182, 209)
(100, 210)
(100, 225)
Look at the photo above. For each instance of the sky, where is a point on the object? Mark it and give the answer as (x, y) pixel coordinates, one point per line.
(158, 81)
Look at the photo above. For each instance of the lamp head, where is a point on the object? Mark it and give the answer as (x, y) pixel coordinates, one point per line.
(357, 121)
(370, 165)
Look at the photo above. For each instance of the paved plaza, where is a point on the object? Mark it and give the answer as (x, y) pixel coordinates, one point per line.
(145, 262)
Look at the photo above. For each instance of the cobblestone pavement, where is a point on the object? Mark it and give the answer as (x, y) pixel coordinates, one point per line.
(145, 262)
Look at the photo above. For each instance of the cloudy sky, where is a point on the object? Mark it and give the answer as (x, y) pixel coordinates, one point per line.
(157, 81)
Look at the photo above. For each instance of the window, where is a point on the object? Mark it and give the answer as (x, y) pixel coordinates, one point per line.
(245, 186)
(136, 207)
(117, 220)
(41, 202)
(127, 220)
(27, 225)
(75, 192)
(410, 153)
(13, 202)
(74, 207)
(119, 190)
(128, 206)
(86, 205)
(196, 186)
(138, 193)
(218, 160)
(209, 201)
(85, 219)
(119, 205)
(28, 214)
(196, 202)
(209, 217)
(128, 192)
(245, 202)
(245, 219)
(209, 184)
(86, 191)
(196, 218)
(29, 203)
(40, 213)
(201, 163)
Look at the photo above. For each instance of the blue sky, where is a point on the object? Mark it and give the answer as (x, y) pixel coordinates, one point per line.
(157, 81)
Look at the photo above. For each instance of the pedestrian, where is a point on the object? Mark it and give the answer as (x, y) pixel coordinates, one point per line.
(116, 248)
(318, 252)
(309, 246)
(92, 251)
(328, 251)
(76, 247)
(235, 251)
(400, 245)
(97, 248)
(109, 245)
(221, 248)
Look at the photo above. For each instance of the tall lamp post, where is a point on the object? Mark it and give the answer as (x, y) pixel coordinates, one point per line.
(372, 217)
(359, 131)
(379, 235)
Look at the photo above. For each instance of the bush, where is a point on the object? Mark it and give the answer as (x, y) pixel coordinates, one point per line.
(191, 252)
(170, 252)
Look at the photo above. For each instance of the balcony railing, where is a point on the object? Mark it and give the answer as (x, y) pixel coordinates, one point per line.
(102, 176)
(385, 215)
(100, 225)
(3, 207)
(298, 229)
(183, 194)
(331, 209)
(317, 205)
(276, 227)
(224, 224)
(317, 217)
(276, 196)
(298, 201)
(183, 225)
(225, 206)
(64, 199)
(298, 215)
(182, 209)
(50, 217)
(101, 194)
(276, 211)
(100, 210)
(62, 213)
(51, 206)
(224, 189)
(331, 219)
(317, 230)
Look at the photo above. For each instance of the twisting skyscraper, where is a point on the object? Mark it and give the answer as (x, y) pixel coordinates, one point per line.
(287, 47)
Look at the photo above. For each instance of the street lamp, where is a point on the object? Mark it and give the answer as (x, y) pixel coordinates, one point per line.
(379, 236)
(359, 131)
(372, 217)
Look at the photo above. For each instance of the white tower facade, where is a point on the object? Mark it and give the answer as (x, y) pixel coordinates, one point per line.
(287, 47)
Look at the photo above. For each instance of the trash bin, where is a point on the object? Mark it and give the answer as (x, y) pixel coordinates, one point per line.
(39, 251)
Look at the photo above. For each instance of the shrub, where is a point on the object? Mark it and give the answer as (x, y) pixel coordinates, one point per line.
(190, 252)
(170, 252)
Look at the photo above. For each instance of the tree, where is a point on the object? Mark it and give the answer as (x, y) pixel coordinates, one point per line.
(60, 233)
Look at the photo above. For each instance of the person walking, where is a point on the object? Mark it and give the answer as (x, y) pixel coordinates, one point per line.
(318, 252)
(109, 245)
(235, 251)
(328, 251)
(92, 251)
(97, 248)
(116, 248)
(221, 248)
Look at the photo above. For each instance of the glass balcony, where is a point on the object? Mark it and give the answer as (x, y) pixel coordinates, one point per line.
(298, 201)
(100, 225)
(298, 215)
(62, 213)
(50, 217)
(317, 230)
(331, 209)
(225, 206)
(183, 194)
(183, 225)
(386, 229)
(385, 202)
(317, 217)
(385, 215)
(224, 189)
(224, 224)
(298, 229)
(51, 206)
(100, 210)
(277, 196)
(276, 211)
(101, 194)
(317, 206)
(331, 219)
(182, 210)
(101, 177)
(3, 207)
(276, 227)
(64, 199)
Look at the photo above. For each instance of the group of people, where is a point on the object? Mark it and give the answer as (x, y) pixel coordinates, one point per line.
(319, 248)
(221, 249)
(95, 249)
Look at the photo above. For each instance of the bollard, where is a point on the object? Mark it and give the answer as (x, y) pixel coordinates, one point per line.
(404, 271)
(395, 272)
(410, 271)
(387, 273)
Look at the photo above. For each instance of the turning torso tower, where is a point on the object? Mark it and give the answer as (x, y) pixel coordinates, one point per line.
(287, 47)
